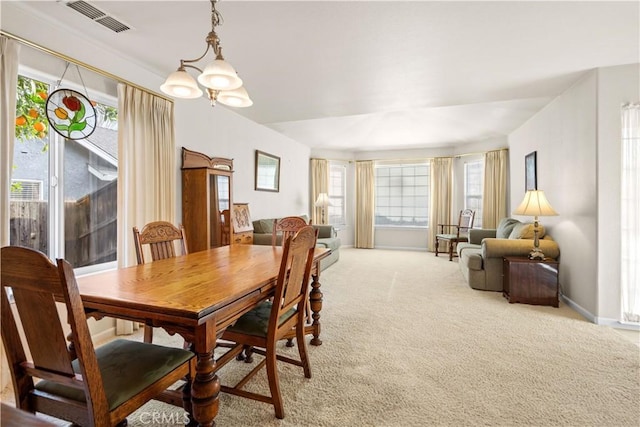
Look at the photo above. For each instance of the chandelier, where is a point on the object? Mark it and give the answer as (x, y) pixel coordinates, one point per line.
(219, 77)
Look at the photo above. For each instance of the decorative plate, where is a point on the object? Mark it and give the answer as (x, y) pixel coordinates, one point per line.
(71, 114)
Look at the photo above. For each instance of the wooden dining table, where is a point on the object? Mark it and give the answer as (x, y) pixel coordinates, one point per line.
(196, 296)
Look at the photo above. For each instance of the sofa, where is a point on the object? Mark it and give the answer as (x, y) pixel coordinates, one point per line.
(481, 258)
(327, 238)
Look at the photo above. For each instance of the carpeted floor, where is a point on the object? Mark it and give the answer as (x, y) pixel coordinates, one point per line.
(408, 343)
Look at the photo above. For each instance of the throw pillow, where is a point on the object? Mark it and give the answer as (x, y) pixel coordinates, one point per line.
(525, 231)
(257, 226)
(266, 225)
(505, 227)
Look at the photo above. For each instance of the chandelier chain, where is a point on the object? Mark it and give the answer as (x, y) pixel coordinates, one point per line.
(216, 17)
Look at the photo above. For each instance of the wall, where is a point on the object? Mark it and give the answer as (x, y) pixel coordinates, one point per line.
(564, 136)
(577, 139)
(616, 86)
(232, 136)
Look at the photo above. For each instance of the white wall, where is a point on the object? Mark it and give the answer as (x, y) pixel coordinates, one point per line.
(616, 86)
(564, 136)
(224, 133)
(577, 139)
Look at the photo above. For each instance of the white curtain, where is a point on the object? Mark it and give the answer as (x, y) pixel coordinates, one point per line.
(146, 169)
(319, 184)
(441, 196)
(494, 197)
(365, 204)
(9, 54)
(630, 233)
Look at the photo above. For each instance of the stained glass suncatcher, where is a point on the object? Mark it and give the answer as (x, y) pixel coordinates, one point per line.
(71, 114)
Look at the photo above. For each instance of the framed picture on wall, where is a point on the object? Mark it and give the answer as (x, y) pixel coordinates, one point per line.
(530, 172)
(267, 172)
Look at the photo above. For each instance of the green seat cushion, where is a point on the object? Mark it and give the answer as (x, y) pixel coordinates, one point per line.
(447, 236)
(332, 243)
(256, 321)
(127, 368)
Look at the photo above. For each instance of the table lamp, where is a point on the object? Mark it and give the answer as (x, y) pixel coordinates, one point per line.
(535, 204)
(322, 202)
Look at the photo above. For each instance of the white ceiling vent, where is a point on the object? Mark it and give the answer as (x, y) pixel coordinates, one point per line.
(97, 15)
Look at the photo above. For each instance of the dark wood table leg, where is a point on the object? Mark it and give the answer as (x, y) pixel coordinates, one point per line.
(206, 385)
(315, 299)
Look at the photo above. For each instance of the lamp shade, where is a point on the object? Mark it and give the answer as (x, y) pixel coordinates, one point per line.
(322, 201)
(220, 75)
(181, 85)
(235, 98)
(536, 204)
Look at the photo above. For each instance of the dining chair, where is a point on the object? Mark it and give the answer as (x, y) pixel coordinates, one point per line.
(260, 329)
(286, 227)
(225, 227)
(79, 383)
(455, 233)
(161, 237)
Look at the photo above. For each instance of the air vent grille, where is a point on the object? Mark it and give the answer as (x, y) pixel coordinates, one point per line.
(113, 24)
(98, 16)
(86, 9)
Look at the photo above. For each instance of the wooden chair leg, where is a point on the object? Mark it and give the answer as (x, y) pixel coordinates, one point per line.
(274, 384)
(148, 334)
(437, 246)
(451, 244)
(302, 351)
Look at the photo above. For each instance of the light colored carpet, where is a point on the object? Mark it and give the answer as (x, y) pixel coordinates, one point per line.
(408, 343)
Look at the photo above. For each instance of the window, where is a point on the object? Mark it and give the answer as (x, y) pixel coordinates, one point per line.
(630, 200)
(26, 189)
(402, 195)
(337, 194)
(64, 192)
(473, 177)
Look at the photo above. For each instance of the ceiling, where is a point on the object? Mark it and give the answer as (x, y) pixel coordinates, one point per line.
(373, 75)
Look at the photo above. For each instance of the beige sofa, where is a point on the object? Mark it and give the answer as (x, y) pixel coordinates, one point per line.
(481, 259)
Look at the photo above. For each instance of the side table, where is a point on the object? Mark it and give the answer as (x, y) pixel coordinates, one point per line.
(531, 281)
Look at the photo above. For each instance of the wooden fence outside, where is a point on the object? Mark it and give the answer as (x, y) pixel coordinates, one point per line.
(90, 226)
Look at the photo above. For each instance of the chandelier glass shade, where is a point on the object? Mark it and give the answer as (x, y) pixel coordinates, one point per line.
(219, 78)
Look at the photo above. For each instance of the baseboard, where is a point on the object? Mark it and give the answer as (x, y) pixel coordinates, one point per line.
(617, 324)
(582, 311)
(103, 336)
(400, 248)
(603, 321)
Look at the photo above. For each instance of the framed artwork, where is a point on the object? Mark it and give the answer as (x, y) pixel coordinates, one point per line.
(530, 172)
(267, 172)
(241, 218)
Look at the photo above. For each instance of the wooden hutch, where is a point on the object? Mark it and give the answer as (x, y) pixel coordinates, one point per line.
(207, 191)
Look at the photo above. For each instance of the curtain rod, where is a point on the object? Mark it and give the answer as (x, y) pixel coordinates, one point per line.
(482, 152)
(456, 156)
(80, 63)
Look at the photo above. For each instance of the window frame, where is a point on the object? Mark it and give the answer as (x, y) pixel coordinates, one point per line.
(337, 201)
(404, 164)
(56, 163)
(477, 222)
